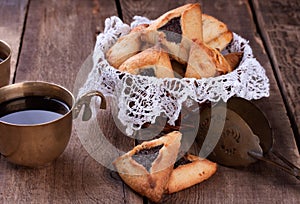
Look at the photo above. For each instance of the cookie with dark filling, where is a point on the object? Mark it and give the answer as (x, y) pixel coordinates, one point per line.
(151, 62)
(175, 30)
(172, 30)
(205, 62)
(187, 20)
(147, 156)
(215, 33)
(126, 46)
(148, 166)
(188, 171)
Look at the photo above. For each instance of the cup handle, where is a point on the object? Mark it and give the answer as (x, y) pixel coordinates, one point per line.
(85, 101)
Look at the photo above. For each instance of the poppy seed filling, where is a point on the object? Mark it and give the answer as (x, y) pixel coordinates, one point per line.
(182, 161)
(172, 29)
(146, 157)
(149, 71)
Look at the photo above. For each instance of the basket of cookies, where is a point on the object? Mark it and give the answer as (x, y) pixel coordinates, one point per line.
(160, 73)
(154, 66)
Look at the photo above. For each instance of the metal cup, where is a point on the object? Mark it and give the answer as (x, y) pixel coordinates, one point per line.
(37, 144)
(5, 55)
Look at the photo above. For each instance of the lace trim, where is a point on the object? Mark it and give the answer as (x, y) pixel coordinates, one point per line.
(141, 99)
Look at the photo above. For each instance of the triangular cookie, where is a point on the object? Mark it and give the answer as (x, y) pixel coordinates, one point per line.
(185, 20)
(215, 32)
(176, 29)
(125, 47)
(150, 62)
(159, 155)
(205, 62)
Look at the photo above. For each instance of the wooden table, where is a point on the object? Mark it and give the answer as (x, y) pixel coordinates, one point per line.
(50, 41)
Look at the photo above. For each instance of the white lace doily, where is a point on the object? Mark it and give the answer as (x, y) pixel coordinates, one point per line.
(141, 98)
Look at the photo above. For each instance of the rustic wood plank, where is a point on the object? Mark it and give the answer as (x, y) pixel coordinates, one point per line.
(279, 25)
(59, 36)
(260, 182)
(146, 8)
(11, 27)
(75, 176)
(51, 43)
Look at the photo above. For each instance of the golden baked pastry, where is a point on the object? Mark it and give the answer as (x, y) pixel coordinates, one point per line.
(188, 171)
(234, 59)
(184, 35)
(205, 62)
(221, 41)
(176, 29)
(178, 51)
(148, 166)
(139, 28)
(215, 32)
(150, 62)
(125, 47)
(185, 20)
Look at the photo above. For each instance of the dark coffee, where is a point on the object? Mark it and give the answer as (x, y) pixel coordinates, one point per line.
(2, 57)
(32, 110)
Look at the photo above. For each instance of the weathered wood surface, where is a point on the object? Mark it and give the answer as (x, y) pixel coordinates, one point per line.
(60, 35)
(279, 25)
(12, 22)
(259, 183)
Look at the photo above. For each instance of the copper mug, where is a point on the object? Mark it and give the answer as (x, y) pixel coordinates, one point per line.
(5, 56)
(36, 144)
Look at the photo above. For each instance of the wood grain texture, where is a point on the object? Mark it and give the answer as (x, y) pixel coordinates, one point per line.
(58, 38)
(279, 25)
(60, 35)
(12, 19)
(259, 183)
(148, 8)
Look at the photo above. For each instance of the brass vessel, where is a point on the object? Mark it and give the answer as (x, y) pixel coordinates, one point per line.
(38, 144)
(5, 55)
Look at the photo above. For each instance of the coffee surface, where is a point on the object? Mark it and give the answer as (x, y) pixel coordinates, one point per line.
(32, 110)
(2, 57)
